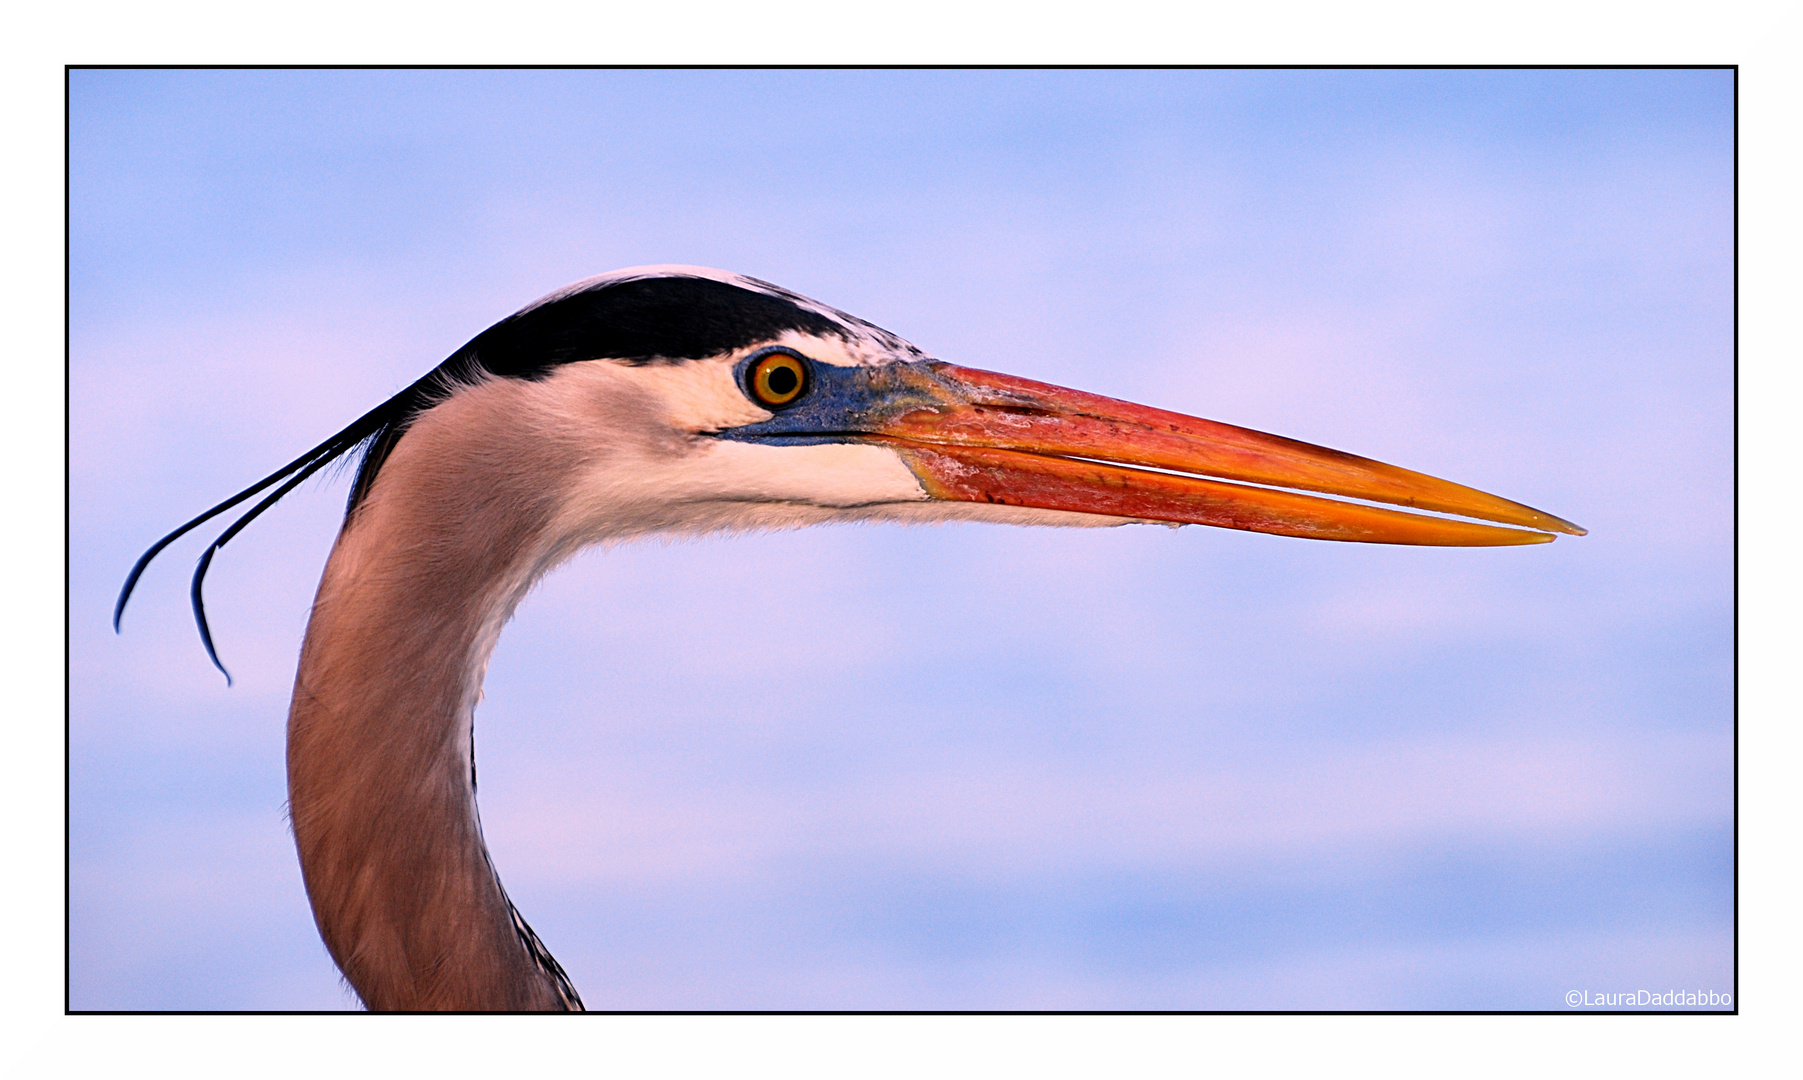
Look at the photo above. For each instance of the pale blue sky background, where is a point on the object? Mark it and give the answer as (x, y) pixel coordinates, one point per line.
(1132, 768)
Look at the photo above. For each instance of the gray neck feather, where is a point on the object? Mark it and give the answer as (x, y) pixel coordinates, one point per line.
(381, 794)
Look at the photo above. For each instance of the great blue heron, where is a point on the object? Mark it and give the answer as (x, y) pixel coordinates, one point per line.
(678, 400)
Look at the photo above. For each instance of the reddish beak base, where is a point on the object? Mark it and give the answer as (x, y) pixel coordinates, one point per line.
(1016, 442)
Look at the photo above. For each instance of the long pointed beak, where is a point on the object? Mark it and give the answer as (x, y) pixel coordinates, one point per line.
(985, 437)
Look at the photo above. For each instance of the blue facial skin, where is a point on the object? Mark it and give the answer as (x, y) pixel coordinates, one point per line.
(841, 404)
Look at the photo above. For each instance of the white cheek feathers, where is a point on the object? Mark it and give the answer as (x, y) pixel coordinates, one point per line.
(835, 475)
(718, 485)
(699, 396)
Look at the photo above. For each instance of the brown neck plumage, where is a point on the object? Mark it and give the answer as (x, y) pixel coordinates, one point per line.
(380, 783)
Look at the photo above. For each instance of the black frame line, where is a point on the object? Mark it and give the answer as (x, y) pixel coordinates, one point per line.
(308, 463)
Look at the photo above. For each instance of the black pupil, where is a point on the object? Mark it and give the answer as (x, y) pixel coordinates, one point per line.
(782, 380)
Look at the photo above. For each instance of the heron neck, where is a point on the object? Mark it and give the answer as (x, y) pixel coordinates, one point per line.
(380, 772)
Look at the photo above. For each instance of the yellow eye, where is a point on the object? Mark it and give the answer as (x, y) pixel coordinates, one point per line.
(778, 379)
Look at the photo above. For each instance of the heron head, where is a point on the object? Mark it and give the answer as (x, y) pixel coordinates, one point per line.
(678, 399)
(792, 412)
